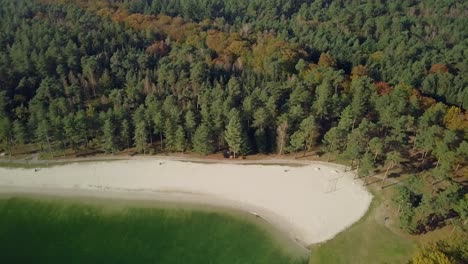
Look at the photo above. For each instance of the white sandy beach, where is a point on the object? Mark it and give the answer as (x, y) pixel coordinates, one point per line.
(301, 201)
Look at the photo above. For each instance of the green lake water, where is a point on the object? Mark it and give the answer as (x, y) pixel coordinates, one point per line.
(55, 230)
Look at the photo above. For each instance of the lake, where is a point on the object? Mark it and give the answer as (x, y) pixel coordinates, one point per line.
(68, 230)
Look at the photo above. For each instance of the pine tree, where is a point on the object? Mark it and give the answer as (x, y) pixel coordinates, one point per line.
(376, 147)
(322, 104)
(43, 132)
(333, 140)
(5, 133)
(393, 159)
(69, 128)
(82, 127)
(363, 90)
(281, 132)
(462, 154)
(158, 121)
(109, 140)
(140, 137)
(366, 166)
(234, 133)
(141, 133)
(169, 133)
(310, 130)
(190, 123)
(125, 133)
(297, 142)
(19, 132)
(179, 139)
(202, 140)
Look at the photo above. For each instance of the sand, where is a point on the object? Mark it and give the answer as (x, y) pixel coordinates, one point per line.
(311, 203)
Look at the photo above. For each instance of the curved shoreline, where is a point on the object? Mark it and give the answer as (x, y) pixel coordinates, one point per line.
(294, 199)
(268, 160)
(164, 200)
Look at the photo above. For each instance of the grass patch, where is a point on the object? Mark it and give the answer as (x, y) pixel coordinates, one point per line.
(367, 241)
(39, 231)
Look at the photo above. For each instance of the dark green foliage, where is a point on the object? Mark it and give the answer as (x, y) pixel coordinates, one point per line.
(234, 133)
(125, 133)
(109, 138)
(19, 132)
(297, 142)
(5, 132)
(202, 140)
(348, 75)
(408, 198)
(179, 139)
(422, 211)
(190, 123)
(141, 133)
(366, 165)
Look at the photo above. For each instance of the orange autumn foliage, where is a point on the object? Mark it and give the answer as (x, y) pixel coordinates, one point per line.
(358, 71)
(269, 47)
(439, 68)
(383, 88)
(456, 119)
(424, 101)
(158, 48)
(238, 47)
(217, 41)
(176, 28)
(326, 60)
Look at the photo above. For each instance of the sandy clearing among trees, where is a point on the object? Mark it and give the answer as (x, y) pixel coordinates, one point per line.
(312, 203)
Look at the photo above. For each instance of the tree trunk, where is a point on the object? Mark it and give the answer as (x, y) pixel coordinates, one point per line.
(309, 145)
(281, 147)
(48, 143)
(453, 229)
(365, 180)
(432, 185)
(375, 156)
(457, 167)
(295, 155)
(9, 151)
(151, 137)
(328, 157)
(161, 140)
(385, 176)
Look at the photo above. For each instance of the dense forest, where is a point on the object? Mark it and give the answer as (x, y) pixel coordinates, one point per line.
(382, 84)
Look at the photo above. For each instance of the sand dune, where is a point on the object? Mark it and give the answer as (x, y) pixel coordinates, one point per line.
(311, 203)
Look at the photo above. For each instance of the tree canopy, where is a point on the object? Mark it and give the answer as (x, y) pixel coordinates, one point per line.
(380, 83)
